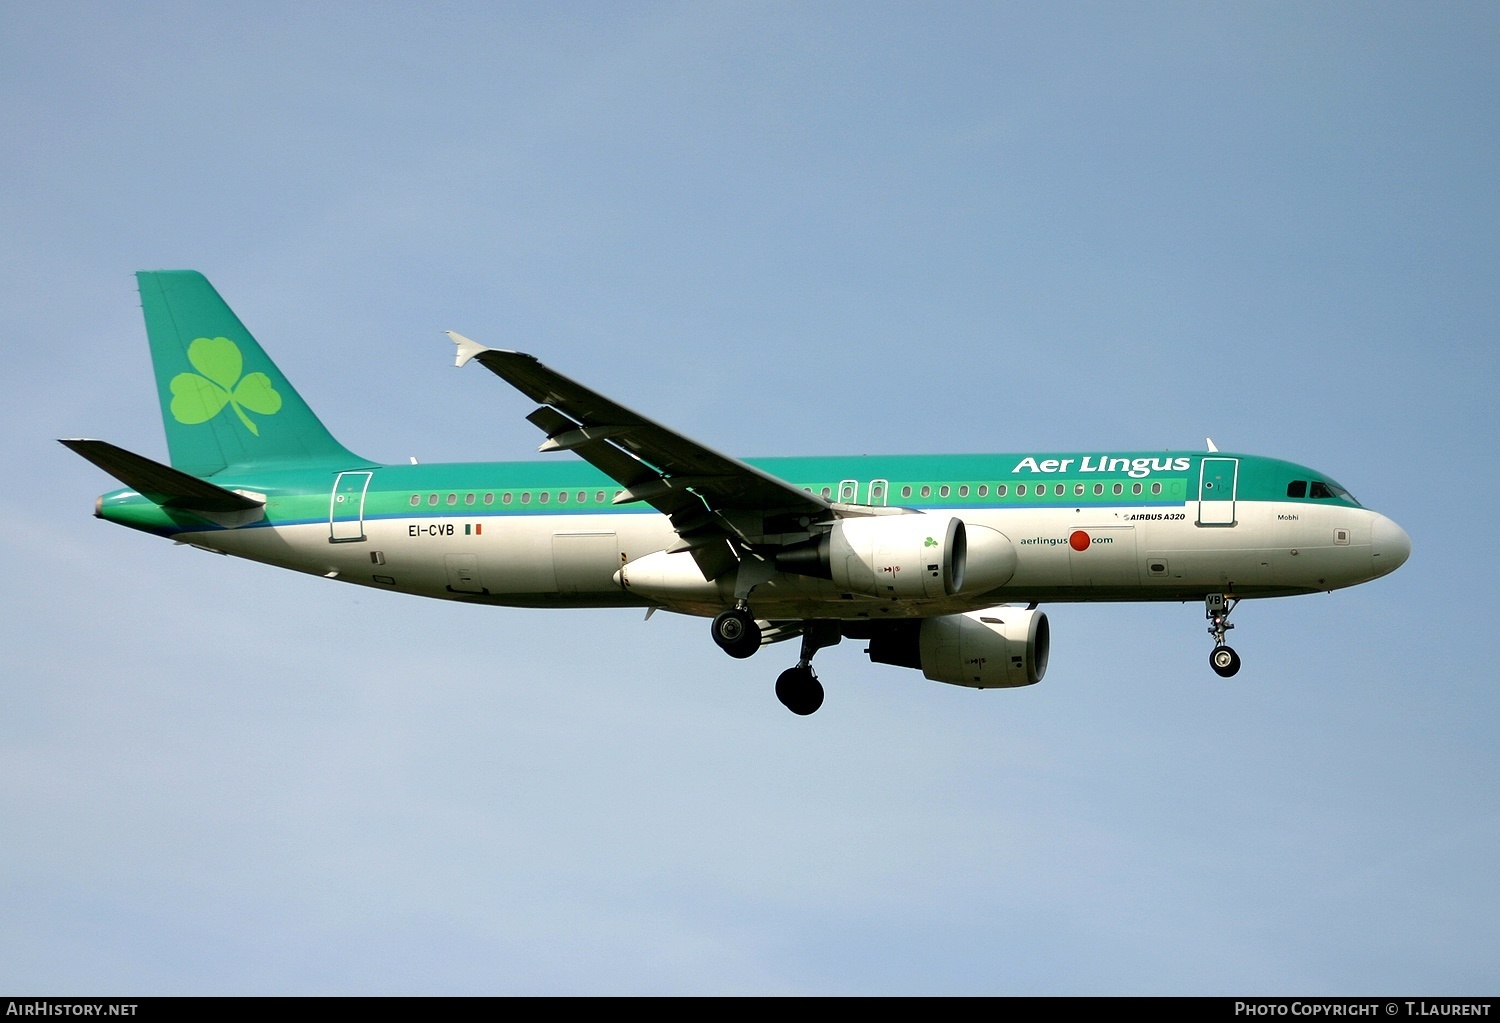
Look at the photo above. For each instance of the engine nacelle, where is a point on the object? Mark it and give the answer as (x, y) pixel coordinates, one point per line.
(906, 557)
(991, 559)
(998, 647)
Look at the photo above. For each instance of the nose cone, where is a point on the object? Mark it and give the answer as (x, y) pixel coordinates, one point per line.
(1389, 545)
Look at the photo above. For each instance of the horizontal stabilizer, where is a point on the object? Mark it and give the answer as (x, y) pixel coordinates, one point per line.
(163, 484)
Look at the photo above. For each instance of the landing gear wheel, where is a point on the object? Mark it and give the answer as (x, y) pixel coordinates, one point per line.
(799, 691)
(1224, 660)
(736, 633)
(1216, 607)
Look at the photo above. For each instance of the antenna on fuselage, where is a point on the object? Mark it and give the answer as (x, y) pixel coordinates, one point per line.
(1211, 445)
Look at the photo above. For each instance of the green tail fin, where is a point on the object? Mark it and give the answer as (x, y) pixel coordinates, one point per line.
(223, 401)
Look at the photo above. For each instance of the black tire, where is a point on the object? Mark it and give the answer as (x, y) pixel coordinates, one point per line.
(799, 691)
(736, 633)
(1224, 661)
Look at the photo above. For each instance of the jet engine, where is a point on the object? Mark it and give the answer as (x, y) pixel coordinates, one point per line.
(998, 647)
(905, 556)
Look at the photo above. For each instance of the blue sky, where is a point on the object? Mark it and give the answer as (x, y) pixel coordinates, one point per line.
(784, 229)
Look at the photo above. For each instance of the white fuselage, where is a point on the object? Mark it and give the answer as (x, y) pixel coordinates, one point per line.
(572, 560)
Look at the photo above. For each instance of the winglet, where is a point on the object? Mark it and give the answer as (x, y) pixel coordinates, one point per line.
(466, 349)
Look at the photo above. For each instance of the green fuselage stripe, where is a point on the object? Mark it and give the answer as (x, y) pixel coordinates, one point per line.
(951, 482)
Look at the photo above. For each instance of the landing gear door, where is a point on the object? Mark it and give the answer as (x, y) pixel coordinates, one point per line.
(346, 510)
(1217, 481)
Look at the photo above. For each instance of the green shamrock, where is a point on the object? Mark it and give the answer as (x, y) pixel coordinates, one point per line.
(197, 399)
(930, 542)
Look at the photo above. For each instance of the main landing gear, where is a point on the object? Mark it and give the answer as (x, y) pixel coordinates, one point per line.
(736, 632)
(798, 688)
(1222, 659)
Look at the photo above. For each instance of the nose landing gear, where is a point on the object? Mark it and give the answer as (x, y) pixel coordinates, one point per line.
(1216, 608)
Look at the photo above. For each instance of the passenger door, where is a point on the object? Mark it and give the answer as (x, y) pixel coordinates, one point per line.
(1217, 481)
(346, 508)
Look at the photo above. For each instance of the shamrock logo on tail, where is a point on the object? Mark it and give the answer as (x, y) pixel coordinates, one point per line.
(197, 399)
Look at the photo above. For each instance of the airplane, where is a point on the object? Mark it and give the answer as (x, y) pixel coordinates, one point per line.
(939, 562)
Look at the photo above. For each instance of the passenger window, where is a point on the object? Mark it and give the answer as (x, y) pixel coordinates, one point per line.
(543, 496)
(416, 499)
(526, 498)
(1098, 489)
(598, 497)
(963, 491)
(505, 498)
(1319, 490)
(1296, 488)
(562, 498)
(432, 499)
(827, 493)
(1119, 489)
(943, 491)
(1020, 490)
(1000, 489)
(1078, 488)
(926, 491)
(468, 499)
(984, 490)
(1156, 488)
(1135, 488)
(452, 498)
(489, 498)
(906, 491)
(1059, 490)
(582, 497)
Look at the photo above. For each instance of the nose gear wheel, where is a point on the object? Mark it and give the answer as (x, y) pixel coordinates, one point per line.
(1224, 660)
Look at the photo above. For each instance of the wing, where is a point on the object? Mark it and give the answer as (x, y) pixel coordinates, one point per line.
(720, 506)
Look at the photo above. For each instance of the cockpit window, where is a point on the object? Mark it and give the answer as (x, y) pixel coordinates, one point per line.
(1319, 490)
(1339, 491)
